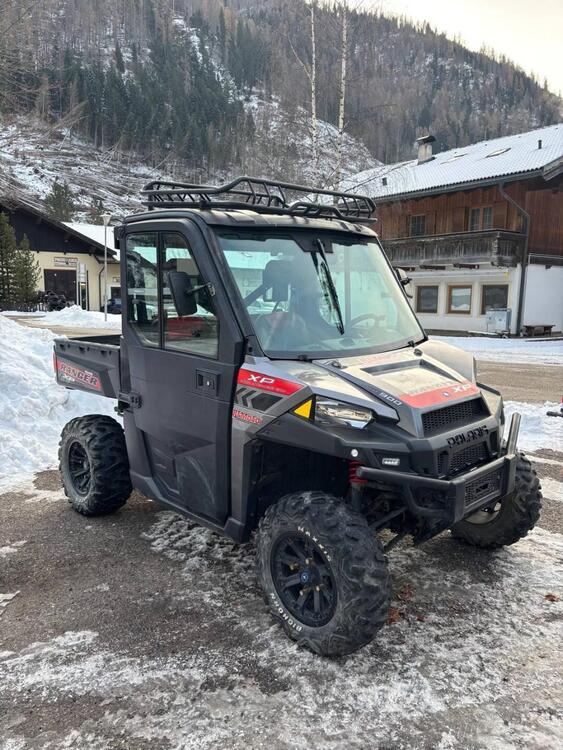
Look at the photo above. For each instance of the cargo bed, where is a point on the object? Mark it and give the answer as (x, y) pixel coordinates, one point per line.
(88, 365)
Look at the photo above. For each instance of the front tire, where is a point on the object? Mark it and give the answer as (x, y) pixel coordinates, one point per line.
(323, 573)
(510, 518)
(94, 465)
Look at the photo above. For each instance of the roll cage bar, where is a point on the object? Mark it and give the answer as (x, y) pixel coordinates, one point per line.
(262, 196)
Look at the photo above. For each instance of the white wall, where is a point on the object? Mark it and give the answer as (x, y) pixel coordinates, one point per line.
(474, 321)
(543, 300)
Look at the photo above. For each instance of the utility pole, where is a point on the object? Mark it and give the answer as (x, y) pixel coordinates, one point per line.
(106, 218)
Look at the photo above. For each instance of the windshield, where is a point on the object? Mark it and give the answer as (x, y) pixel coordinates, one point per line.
(319, 295)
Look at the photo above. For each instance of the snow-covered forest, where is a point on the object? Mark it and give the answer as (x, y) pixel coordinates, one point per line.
(223, 86)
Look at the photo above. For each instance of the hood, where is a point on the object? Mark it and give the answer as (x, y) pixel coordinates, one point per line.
(397, 385)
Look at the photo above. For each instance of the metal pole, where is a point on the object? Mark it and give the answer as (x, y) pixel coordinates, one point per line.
(106, 219)
(105, 272)
(523, 261)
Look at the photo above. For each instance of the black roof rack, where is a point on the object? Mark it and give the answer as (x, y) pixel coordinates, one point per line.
(263, 196)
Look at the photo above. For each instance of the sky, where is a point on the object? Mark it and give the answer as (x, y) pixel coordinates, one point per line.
(529, 33)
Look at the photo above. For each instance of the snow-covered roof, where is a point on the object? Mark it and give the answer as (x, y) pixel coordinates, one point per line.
(486, 161)
(95, 232)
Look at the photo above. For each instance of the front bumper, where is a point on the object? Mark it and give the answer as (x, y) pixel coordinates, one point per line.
(451, 500)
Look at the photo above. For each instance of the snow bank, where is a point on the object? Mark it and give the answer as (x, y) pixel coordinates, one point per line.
(537, 430)
(33, 408)
(77, 317)
(508, 350)
(71, 317)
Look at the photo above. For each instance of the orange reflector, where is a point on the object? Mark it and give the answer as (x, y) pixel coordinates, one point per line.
(305, 409)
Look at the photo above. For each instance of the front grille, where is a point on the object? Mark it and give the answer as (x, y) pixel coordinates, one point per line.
(463, 460)
(441, 420)
(479, 489)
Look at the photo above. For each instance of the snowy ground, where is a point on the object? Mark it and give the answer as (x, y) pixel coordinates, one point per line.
(509, 350)
(142, 630)
(152, 634)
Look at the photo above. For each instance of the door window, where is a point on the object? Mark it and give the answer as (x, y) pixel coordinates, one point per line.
(197, 333)
(142, 286)
(61, 282)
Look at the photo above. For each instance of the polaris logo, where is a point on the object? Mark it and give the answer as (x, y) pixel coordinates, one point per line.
(469, 436)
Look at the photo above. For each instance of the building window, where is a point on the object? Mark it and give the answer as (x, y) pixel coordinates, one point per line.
(494, 297)
(459, 300)
(417, 225)
(427, 299)
(487, 222)
(480, 218)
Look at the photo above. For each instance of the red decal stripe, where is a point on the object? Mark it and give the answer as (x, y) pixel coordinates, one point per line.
(439, 395)
(267, 383)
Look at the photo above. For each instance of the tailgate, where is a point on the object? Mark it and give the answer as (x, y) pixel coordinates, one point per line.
(87, 366)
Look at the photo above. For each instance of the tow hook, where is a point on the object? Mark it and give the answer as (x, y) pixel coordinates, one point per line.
(513, 433)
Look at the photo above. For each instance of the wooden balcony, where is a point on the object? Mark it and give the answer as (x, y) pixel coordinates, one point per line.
(495, 246)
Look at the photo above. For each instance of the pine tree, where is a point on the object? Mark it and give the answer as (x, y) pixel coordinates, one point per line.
(8, 252)
(26, 275)
(59, 203)
(119, 61)
(96, 210)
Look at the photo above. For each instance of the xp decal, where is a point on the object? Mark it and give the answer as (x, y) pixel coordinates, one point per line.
(267, 383)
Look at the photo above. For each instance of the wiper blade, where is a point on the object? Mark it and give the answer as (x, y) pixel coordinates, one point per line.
(329, 288)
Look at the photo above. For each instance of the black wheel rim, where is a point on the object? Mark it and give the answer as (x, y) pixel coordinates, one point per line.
(79, 468)
(303, 580)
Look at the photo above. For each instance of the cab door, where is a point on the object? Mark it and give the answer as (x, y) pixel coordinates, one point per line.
(179, 371)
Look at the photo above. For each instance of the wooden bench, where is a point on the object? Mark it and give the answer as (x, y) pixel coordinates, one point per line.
(537, 329)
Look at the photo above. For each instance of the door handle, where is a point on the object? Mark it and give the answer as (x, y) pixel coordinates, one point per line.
(207, 382)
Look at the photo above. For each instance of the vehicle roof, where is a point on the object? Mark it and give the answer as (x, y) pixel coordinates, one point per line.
(253, 219)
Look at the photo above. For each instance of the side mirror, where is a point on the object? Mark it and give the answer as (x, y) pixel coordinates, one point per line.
(183, 294)
(405, 281)
(276, 281)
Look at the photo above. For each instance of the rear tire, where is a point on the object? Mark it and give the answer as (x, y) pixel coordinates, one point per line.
(94, 465)
(517, 515)
(340, 597)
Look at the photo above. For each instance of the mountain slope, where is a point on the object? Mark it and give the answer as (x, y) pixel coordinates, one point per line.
(204, 89)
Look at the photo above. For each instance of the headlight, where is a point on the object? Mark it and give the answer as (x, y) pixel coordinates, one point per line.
(328, 411)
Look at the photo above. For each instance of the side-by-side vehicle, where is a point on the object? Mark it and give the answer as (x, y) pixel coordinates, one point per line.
(272, 379)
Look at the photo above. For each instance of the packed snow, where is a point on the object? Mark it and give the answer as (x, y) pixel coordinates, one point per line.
(71, 317)
(508, 350)
(537, 430)
(33, 407)
(471, 657)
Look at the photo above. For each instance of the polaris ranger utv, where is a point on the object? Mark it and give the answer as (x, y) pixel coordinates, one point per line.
(273, 378)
